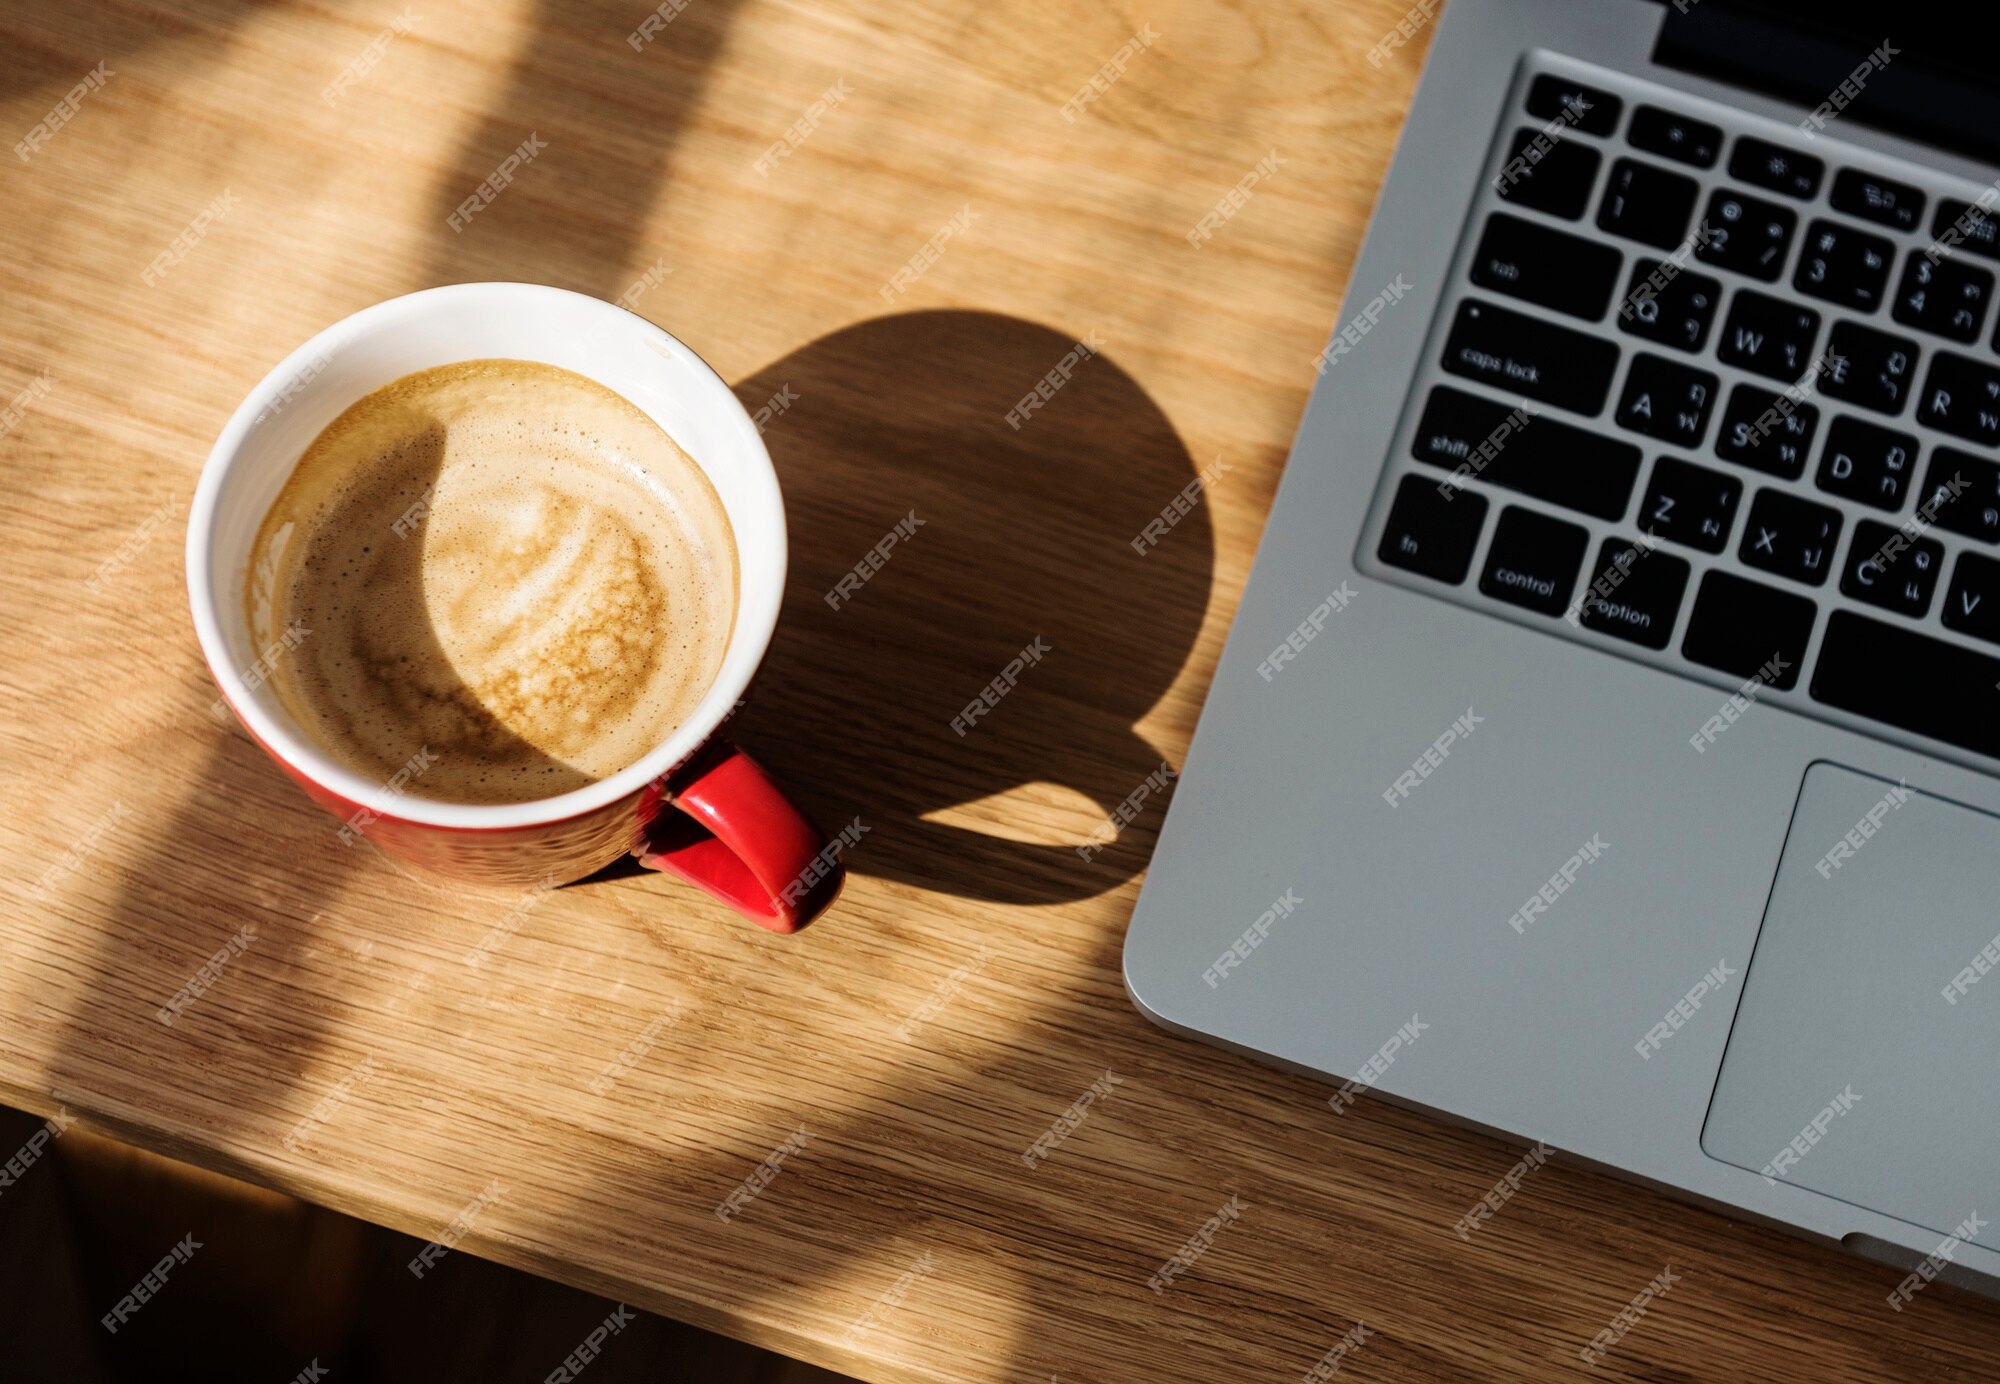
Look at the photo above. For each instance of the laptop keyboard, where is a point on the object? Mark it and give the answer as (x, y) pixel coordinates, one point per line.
(1678, 398)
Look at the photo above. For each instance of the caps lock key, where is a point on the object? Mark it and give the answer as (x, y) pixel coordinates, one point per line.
(1521, 355)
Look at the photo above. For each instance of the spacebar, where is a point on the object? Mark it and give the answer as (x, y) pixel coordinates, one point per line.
(1911, 681)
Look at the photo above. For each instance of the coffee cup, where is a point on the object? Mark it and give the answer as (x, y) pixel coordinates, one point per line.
(693, 804)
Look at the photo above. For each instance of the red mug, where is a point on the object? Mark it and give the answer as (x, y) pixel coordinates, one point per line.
(693, 806)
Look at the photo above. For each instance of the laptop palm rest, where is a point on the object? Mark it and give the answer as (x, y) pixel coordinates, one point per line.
(1861, 1063)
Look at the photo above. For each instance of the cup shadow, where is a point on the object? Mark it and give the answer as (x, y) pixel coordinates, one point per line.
(940, 551)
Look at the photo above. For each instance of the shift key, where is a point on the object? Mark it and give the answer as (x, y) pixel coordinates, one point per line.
(1542, 457)
(1521, 355)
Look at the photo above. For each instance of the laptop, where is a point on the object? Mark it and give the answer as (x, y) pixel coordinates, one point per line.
(1606, 753)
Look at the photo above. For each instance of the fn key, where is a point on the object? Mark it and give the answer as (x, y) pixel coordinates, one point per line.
(1432, 529)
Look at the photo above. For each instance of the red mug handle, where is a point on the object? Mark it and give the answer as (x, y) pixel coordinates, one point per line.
(731, 832)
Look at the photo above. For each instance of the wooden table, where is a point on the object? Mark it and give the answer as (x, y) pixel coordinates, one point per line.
(628, 1054)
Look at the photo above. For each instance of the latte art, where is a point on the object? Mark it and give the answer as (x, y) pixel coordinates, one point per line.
(503, 564)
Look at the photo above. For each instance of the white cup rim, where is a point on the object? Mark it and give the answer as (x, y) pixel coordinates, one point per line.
(756, 619)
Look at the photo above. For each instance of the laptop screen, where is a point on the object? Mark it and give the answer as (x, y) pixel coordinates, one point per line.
(1911, 69)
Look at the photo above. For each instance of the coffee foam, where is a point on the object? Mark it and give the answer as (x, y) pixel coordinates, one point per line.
(511, 576)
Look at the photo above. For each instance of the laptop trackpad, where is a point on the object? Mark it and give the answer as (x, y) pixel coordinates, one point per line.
(1863, 1056)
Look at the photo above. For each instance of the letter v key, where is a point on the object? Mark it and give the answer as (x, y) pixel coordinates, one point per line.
(1966, 608)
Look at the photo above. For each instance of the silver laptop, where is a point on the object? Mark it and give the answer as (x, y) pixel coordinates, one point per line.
(1607, 749)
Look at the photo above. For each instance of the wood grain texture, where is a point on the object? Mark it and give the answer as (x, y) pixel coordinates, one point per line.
(966, 991)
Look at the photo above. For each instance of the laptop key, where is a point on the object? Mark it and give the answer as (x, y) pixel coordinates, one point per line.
(1887, 568)
(1548, 173)
(1843, 265)
(1895, 205)
(1962, 494)
(1762, 164)
(1869, 368)
(1533, 561)
(1767, 432)
(1524, 355)
(1961, 225)
(1794, 538)
(1667, 400)
(1675, 137)
(1542, 457)
(1432, 529)
(1690, 504)
(1749, 630)
(1890, 673)
(1590, 110)
(1746, 234)
(1647, 203)
(1673, 307)
(1962, 397)
(1866, 463)
(1972, 602)
(1552, 268)
(1948, 297)
(1634, 593)
(1768, 336)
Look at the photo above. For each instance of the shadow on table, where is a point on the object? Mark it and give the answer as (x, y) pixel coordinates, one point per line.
(1019, 538)
(616, 136)
(613, 135)
(971, 610)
